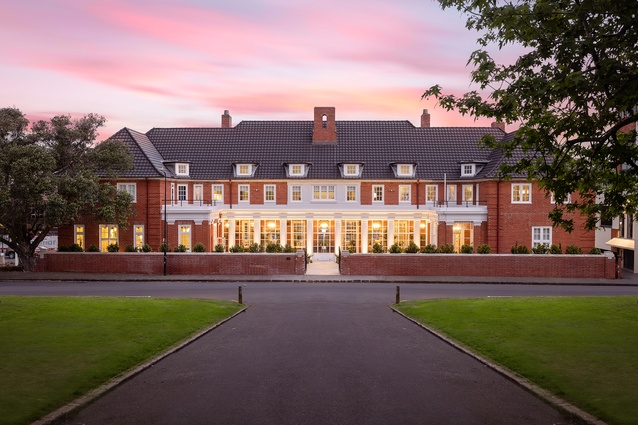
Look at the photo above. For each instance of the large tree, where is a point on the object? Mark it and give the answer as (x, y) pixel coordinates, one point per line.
(51, 174)
(573, 91)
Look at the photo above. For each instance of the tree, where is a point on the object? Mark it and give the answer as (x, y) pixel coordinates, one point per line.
(54, 173)
(573, 90)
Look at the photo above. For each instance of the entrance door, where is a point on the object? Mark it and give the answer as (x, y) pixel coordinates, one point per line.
(323, 242)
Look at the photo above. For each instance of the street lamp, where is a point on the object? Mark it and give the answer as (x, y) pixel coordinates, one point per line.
(165, 224)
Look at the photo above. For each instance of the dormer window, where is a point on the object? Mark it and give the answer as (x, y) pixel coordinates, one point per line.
(468, 170)
(245, 169)
(351, 170)
(297, 170)
(404, 170)
(181, 169)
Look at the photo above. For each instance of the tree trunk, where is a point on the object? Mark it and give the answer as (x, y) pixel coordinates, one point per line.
(27, 261)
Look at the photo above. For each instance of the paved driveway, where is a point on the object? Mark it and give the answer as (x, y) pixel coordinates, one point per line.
(319, 354)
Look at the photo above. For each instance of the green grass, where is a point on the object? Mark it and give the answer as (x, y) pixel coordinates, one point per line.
(54, 349)
(583, 349)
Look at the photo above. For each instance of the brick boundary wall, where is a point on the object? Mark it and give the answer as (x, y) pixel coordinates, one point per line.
(501, 265)
(177, 263)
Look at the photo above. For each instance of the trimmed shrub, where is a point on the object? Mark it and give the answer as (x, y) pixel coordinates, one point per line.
(93, 248)
(147, 248)
(447, 248)
(164, 248)
(254, 247)
(129, 248)
(63, 248)
(219, 248)
(273, 247)
(288, 248)
(180, 248)
(237, 248)
(377, 248)
(395, 249)
(484, 249)
(520, 249)
(595, 251)
(573, 250)
(199, 247)
(467, 249)
(412, 248)
(555, 249)
(75, 248)
(113, 247)
(541, 249)
(428, 249)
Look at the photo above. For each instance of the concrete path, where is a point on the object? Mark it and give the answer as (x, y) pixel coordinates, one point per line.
(319, 354)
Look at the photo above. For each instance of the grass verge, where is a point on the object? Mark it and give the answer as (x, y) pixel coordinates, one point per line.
(54, 349)
(583, 349)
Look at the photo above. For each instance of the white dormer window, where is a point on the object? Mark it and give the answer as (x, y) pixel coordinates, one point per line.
(468, 170)
(296, 170)
(351, 170)
(404, 170)
(181, 169)
(244, 169)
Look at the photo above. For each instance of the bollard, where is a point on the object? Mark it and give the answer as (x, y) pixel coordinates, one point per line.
(398, 300)
(239, 296)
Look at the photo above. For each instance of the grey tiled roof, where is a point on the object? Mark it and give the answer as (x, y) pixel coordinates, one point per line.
(437, 151)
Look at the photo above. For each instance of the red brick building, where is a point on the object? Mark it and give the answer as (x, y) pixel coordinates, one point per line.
(323, 185)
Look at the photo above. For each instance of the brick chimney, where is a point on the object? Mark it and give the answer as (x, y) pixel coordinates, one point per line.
(425, 118)
(227, 120)
(325, 127)
(498, 124)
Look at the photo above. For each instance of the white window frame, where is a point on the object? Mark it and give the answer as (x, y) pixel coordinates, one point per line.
(296, 173)
(552, 200)
(109, 228)
(138, 230)
(541, 235)
(374, 193)
(520, 187)
(243, 188)
(247, 172)
(321, 189)
(465, 193)
(351, 173)
(468, 170)
(198, 192)
(181, 231)
(352, 188)
(77, 232)
(270, 188)
(405, 188)
(218, 197)
(182, 169)
(451, 195)
(130, 188)
(294, 189)
(180, 192)
(405, 173)
(436, 193)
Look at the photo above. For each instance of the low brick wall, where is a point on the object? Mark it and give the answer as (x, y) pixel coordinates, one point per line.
(177, 263)
(502, 265)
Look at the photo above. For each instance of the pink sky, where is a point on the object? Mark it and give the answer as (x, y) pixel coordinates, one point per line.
(172, 63)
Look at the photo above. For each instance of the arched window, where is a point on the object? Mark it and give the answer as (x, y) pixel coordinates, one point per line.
(324, 120)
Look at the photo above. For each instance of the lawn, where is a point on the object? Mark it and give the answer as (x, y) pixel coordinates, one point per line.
(583, 349)
(54, 349)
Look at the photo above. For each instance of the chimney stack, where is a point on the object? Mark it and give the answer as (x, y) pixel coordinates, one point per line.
(227, 120)
(425, 118)
(498, 124)
(325, 127)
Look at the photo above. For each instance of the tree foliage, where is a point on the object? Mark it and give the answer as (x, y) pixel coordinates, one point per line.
(573, 90)
(50, 175)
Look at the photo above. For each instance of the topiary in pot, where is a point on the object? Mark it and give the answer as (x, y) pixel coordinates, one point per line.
(219, 248)
(484, 249)
(467, 249)
(428, 249)
(199, 247)
(113, 247)
(447, 248)
(412, 248)
(395, 249)
(377, 248)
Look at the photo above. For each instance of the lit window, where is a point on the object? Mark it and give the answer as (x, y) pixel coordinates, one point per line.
(295, 193)
(296, 170)
(468, 193)
(431, 193)
(351, 170)
(323, 193)
(139, 236)
(185, 236)
(198, 192)
(218, 193)
(451, 193)
(182, 192)
(468, 170)
(269, 193)
(244, 193)
(79, 235)
(404, 193)
(521, 193)
(108, 236)
(541, 236)
(244, 169)
(181, 169)
(130, 188)
(351, 193)
(377, 193)
(405, 169)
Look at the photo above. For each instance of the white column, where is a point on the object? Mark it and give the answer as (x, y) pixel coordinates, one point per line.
(434, 232)
(390, 233)
(283, 236)
(309, 235)
(257, 231)
(364, 236)
(417, 232)
(337, 235)
(231, 233)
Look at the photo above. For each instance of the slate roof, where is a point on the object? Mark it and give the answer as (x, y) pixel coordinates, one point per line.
(437, 151)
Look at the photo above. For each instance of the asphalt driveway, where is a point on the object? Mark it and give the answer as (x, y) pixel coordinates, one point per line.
(319, 354)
